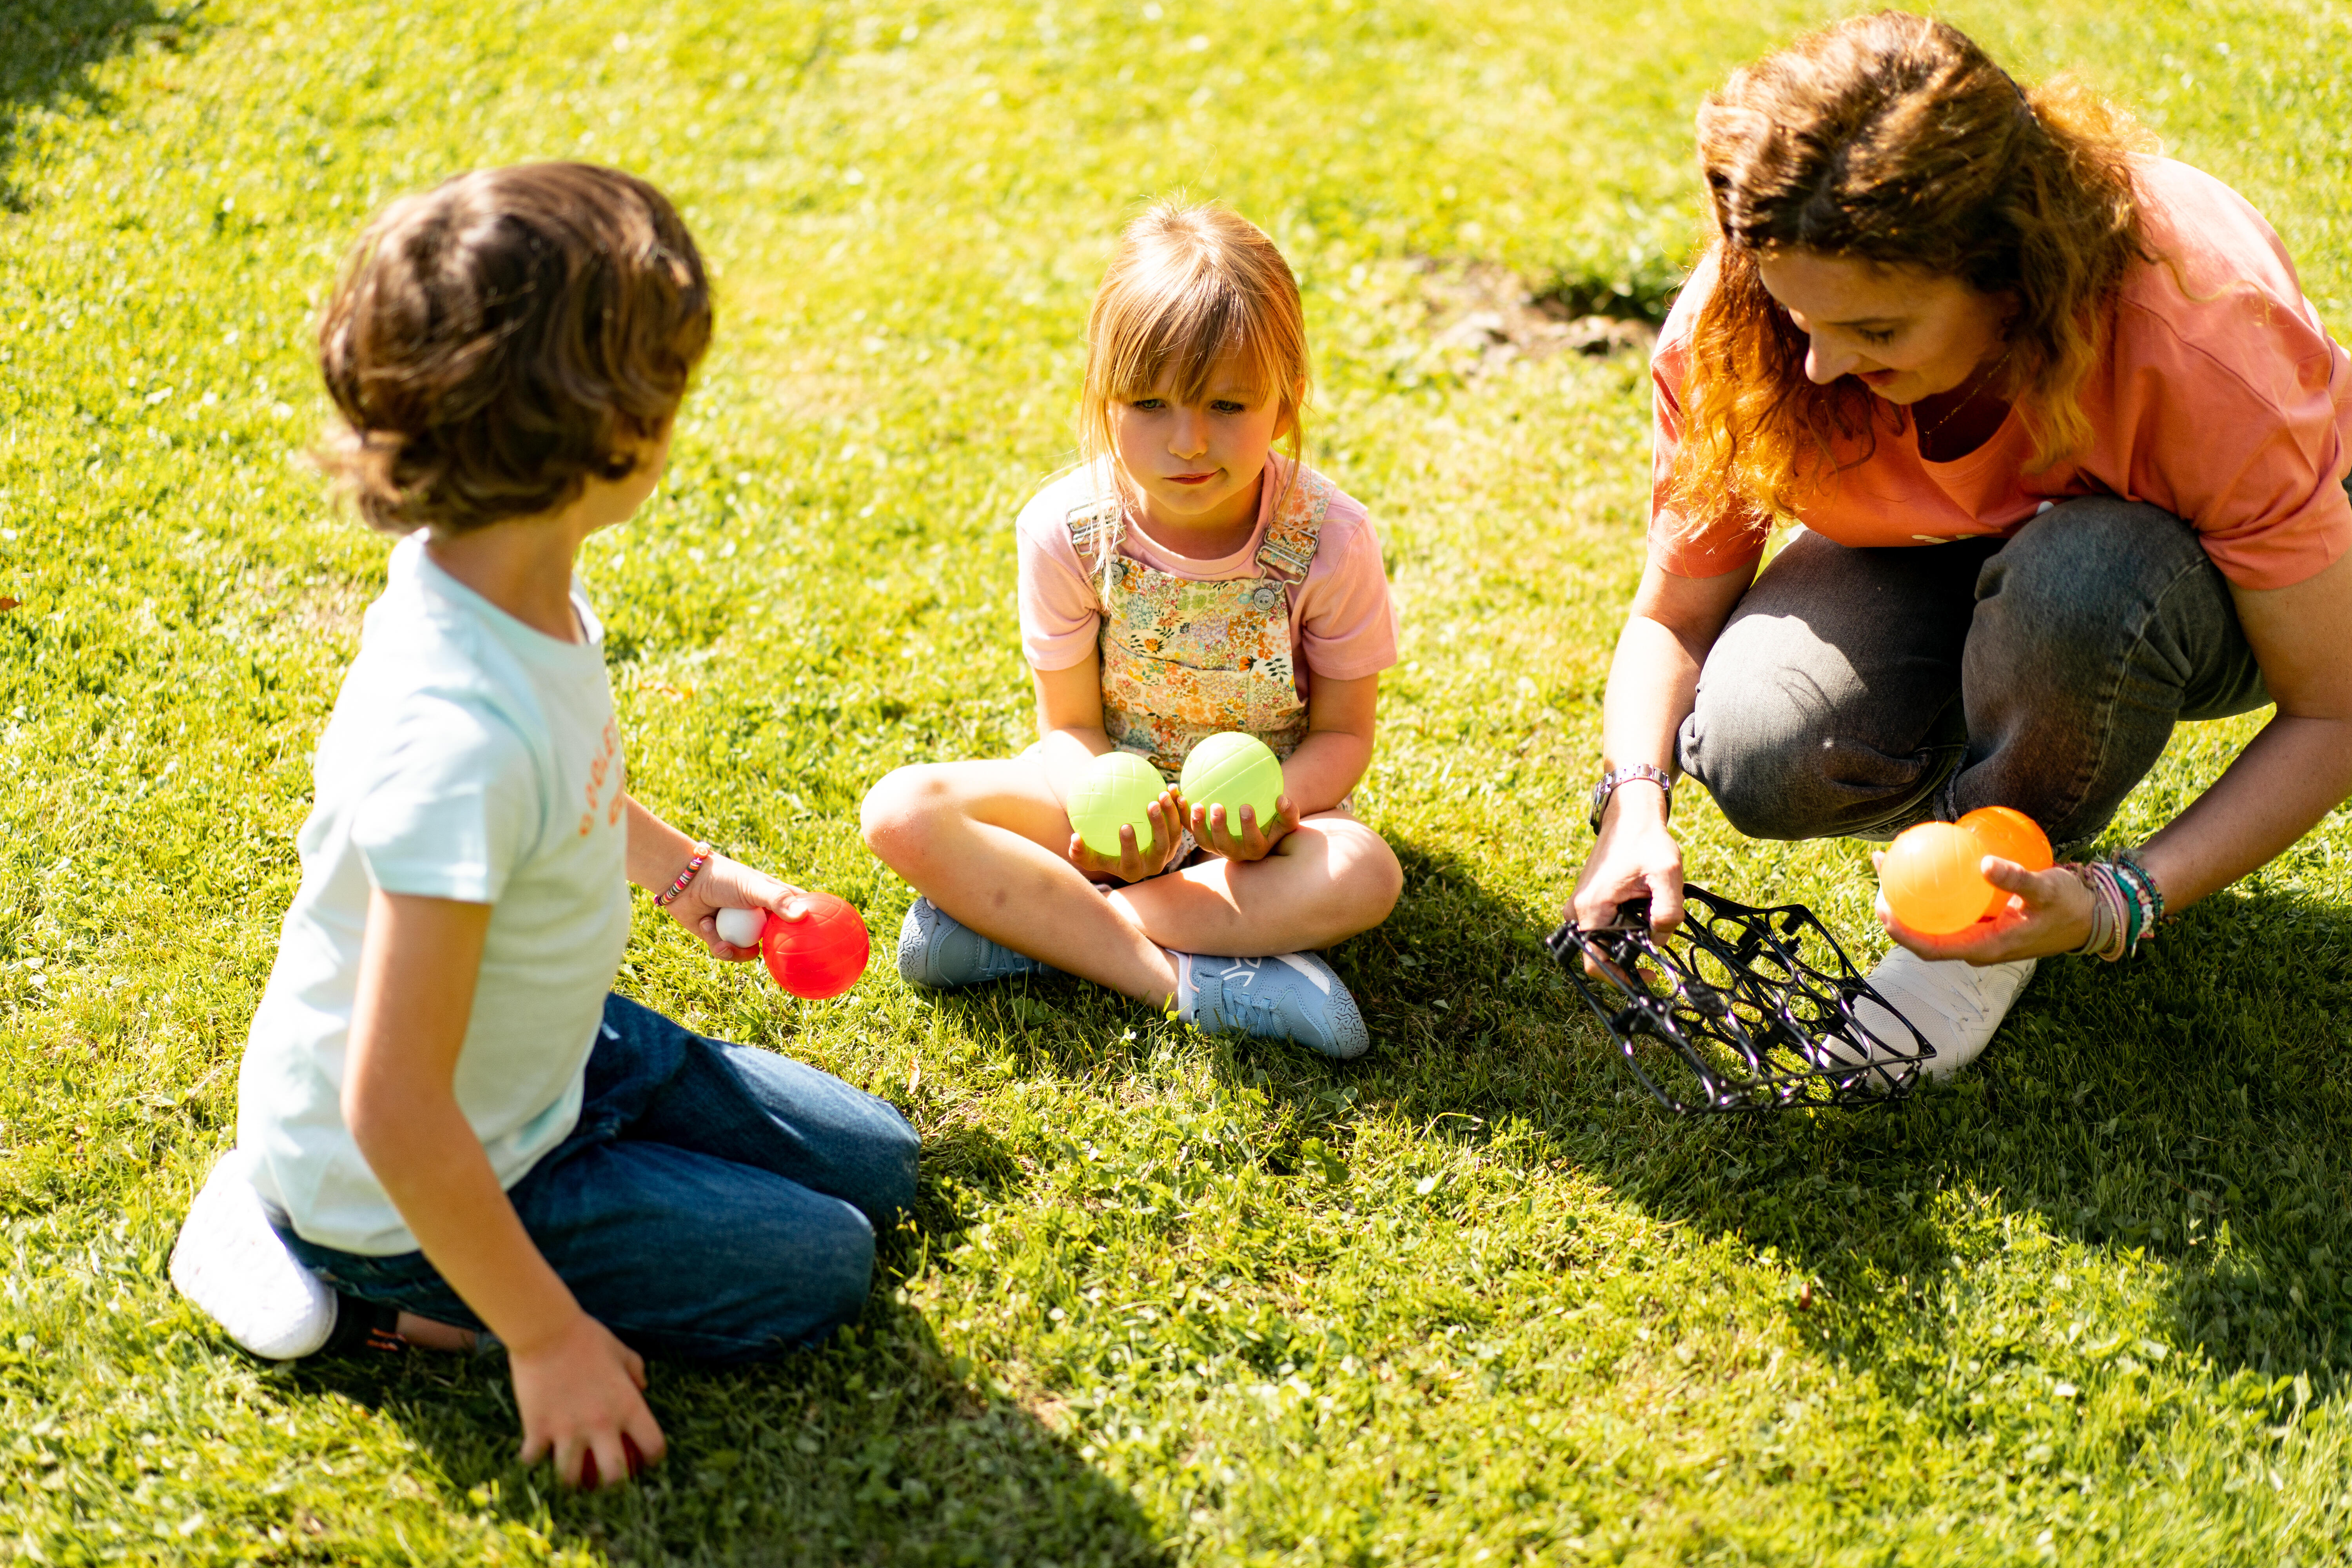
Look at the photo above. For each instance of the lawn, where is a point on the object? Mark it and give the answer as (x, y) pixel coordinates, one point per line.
(1468, 1300)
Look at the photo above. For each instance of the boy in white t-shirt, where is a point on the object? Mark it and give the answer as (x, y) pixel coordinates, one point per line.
(447, 1124)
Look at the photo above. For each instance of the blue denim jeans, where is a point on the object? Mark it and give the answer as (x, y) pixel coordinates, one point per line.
(715, 1203)
(1858, 691)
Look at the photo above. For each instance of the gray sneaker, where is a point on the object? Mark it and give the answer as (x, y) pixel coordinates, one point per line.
(1290, 997)
(935, 950)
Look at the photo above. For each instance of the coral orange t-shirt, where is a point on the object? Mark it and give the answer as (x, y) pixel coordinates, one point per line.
(2220, 398)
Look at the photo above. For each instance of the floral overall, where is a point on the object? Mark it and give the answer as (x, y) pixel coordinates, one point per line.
(1184, 660)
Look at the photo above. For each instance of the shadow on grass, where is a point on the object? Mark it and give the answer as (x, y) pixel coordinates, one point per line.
(2194, 1107)
(2196, 1104)
(47, 50)
(879, 1447)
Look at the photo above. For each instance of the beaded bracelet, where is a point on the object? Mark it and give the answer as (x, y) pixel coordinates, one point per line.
(702, 854)
(2150, 897)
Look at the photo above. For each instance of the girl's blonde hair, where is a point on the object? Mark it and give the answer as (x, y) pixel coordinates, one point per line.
(1895, 140)
(1190, 286)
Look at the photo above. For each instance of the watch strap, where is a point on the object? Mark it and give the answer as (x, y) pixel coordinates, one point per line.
(1627, 774)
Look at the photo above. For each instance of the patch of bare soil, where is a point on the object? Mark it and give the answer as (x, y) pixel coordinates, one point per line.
(1487, 308)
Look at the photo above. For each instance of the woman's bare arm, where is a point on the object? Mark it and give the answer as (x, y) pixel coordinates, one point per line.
(1652, 683)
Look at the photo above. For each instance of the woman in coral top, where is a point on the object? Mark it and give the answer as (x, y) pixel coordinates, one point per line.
(2069, 449)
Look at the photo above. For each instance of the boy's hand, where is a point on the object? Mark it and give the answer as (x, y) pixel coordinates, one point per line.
(1131, 864)
(724, 884)
(579, 1394)
(1243, 837)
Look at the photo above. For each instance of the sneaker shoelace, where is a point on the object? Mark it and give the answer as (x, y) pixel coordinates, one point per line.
(1248, 998)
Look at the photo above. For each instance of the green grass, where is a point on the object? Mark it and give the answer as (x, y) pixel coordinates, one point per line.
(1468, 1300)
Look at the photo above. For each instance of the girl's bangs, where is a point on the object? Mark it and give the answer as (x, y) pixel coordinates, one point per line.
(1177, 350)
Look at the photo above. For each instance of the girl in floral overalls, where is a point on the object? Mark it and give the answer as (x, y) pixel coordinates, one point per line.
(1182, 580)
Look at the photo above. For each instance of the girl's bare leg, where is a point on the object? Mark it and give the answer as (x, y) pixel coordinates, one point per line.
(983, 841)
(1323, 883)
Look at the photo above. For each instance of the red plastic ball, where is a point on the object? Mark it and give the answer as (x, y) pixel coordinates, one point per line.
(820, 956)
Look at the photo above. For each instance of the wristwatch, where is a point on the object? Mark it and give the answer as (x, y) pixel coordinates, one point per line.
(1626, 774)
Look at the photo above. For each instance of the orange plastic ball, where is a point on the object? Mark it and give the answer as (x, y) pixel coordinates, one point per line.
(2013, 836)
(1931, 880)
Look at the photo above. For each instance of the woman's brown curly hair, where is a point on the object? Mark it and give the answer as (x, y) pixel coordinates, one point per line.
(499, 340)
(1894, 139)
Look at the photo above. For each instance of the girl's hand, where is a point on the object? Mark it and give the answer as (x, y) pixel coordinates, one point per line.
(724, 884)
(1133, 865)
(2050, 913)
(1243, 837)
(580, 1395)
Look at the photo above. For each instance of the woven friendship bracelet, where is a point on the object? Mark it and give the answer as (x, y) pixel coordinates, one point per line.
(2126, 905)
(702, 854)
(2107, 914)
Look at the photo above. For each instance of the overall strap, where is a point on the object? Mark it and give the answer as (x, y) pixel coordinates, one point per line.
(1296, 526)
(1093, 525)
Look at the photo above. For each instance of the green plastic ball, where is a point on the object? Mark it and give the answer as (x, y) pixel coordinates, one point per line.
(1234, 770)
(1117, 788)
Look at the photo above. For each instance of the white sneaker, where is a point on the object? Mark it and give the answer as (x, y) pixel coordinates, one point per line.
(1956, 1005)
(231, 1264)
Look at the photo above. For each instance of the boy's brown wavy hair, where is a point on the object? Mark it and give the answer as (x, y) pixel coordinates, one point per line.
(496, 341)
(1895, 140)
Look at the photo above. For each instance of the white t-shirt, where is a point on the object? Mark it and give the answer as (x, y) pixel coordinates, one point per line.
(469, 757)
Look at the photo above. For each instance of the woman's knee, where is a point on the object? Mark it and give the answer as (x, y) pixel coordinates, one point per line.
(897, 1152)
(1777, 768)
(1756, 757)
(2058, 596)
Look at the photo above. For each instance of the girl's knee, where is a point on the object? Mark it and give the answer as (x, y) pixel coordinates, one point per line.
(897, 813)
(1366, 877)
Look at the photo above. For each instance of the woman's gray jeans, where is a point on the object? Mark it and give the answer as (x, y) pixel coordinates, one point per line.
(1858, 691)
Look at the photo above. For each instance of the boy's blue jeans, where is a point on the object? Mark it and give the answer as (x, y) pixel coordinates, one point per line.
(715, 1202)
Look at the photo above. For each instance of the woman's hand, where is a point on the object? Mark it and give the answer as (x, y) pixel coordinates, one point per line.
(1635, 857)
(724, 884)
(1239, 835)
(1133, 864)
(2049, 913)
(580, 1395)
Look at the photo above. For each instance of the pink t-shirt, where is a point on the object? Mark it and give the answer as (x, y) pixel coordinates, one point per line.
(2221, 399)
(1342, 622)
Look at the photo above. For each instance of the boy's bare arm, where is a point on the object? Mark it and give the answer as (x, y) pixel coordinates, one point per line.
(577, 1386)
(657, 852)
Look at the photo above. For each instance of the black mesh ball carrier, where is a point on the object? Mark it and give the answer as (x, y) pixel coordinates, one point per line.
(1738, 1009)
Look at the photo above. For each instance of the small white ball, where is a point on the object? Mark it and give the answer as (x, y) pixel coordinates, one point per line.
(740, 928)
